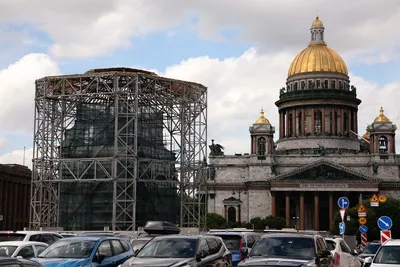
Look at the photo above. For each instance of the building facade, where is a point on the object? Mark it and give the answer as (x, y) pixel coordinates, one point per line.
(15, 190)
(318, 156)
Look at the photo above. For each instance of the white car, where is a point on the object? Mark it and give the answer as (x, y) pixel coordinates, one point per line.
(342, 254)
(388, 255)
(36, 236)
(23, 249)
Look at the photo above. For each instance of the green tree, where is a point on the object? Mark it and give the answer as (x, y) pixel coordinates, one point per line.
(390, 208)
(275, 222)
(216, 221)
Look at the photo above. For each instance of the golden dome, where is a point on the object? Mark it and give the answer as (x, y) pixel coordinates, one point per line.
(317, 23)
(381, 117)
(317, 57)
(262, 119)
(367, 135)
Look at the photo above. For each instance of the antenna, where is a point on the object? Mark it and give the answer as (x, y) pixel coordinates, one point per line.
(23, 161)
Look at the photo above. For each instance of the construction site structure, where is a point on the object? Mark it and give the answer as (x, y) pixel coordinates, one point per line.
(118, 147)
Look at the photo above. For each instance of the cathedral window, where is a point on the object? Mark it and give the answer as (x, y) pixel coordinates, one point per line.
(340, 85)
(310, 85)
(231, 215)
(333, 84)
(326, 84)
(261, 146)
(318, 83)
(318, 121)
(303, 85)
(383, 144)
(295, 86)
(300, 124)
(290, 124)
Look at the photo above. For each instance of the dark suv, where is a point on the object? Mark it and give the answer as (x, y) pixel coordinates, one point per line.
(286, 249)
(182, 250)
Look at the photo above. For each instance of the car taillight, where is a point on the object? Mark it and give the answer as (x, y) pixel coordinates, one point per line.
(241, 249)
(337, 259)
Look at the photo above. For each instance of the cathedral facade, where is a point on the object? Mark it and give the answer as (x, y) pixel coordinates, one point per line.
(319, 155)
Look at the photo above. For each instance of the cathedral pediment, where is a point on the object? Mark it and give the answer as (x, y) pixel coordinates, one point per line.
(323, 171)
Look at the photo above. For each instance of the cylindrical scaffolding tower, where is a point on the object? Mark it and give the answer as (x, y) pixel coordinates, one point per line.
(117, 147)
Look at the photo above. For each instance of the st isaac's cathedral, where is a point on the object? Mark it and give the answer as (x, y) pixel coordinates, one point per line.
(319, 156)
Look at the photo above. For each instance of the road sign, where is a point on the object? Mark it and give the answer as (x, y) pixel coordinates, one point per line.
(382, 198)
(343, 202)
(362, 211)
(385, 235)
(342, 228)
(342, 212)
(362, 220)
(374, 201)
(363, 229)
(385, 223)
(364, 240)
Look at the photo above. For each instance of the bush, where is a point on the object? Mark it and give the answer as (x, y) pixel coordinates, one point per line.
(272, 222)
(216, 221)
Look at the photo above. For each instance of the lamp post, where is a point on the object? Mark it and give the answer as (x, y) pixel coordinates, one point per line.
(240, 191)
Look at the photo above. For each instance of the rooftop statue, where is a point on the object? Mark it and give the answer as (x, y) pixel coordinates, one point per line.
(216, 149)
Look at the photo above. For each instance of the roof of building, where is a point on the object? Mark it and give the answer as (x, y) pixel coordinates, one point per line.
(262, 119)
(317, 57)
(381, 117)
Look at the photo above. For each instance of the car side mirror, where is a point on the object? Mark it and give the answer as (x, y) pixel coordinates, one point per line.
(325, 254)
(198, 257)
(245, 251)
(367, 262)
(354, 252)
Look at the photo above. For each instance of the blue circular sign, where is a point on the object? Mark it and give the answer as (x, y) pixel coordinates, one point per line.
(363, 229)
(385, 223)
(343, 202)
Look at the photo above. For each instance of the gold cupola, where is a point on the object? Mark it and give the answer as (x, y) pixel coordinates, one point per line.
(367, 135)
(381, 117)
(262, 119)
(317, 57)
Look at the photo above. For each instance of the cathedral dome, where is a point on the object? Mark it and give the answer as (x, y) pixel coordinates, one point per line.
(262, 119)
(317, 57)
(367, 135)
(381, 117)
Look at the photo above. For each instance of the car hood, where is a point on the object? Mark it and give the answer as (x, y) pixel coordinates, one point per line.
(272, 262)
(159, 262)
(59, 262)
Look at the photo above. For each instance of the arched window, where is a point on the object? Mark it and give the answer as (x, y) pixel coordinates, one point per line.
(300, 124)
(318, 121)
(346, 122)
(383, 144)
(261, 144)
(231, 215)
(290, 125)
(295, 86)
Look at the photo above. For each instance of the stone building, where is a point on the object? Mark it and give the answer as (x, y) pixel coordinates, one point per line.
(318, 156)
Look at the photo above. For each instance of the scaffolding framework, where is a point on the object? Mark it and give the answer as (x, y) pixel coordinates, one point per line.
(109, 137)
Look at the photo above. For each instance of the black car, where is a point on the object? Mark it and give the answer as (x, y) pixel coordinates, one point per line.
(286, 249)
(14, 262)
(182, 250)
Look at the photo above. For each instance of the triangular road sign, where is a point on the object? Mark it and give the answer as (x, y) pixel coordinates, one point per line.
(374, 198)
(361, 208)
(342, 212)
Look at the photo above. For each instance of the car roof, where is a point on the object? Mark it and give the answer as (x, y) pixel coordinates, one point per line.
(287, 235)
(180, 236)
(20, 243)
(231, 233)
(87, 238)
(392, 242)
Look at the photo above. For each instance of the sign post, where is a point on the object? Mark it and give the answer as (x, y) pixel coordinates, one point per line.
(362, 211)
(364, 240)
(342, 228)
(385, 235)
(374, 201)
(343, 203)
(385, 223)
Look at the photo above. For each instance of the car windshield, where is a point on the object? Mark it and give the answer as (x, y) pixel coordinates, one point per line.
(11, 237)
(284, 247)
(371, 249)
(7, 251)
(232, 242)
(71, 249)
(169, 248)
(330, 244)
(138, 244)
(388, 255)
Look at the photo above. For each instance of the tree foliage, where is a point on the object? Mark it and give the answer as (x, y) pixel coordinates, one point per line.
(390, 208)
(273, 222)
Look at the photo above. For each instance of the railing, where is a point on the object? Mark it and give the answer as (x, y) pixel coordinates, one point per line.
(317, 93)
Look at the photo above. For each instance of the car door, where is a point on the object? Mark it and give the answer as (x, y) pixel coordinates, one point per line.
(105, 250)
(321, 247)
(216, 256)
(119, 253)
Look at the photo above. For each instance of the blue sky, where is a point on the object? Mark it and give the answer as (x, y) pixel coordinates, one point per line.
(240, 51)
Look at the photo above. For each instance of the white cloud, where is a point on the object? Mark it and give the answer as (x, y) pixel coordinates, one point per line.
(239, 87)
(17, 91)
(97, 27)
(17, 157)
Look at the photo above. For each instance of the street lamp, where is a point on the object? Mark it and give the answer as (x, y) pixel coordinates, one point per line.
(240, 191)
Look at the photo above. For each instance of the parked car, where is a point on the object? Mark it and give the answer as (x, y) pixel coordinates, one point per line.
(289, 249)
(388, 254)
(369, 250)
(238, 242)
(342, 253)
(86, 251)
(182, 250)
(37, 236)
(14, 262)
(24, 249)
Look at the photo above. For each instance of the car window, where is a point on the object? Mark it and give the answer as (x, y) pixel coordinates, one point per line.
(124, 245)
(7, 251)
(11, 237)
(388, 255)
(48, 239)
(322, 243)
(36, 238)
(138, 244)
(39, 248)
(170, 248)
(118, 249)
(331, 244)
(27, 252)
(232, 242)
(105, 249)
(250, 241)
(371, 249)
(212, 245)
(204, 249)
(344, 247)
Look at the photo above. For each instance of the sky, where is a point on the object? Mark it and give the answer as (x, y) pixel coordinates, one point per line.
(240, 50)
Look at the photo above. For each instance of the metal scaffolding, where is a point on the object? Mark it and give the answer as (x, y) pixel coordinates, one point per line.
(118, 147)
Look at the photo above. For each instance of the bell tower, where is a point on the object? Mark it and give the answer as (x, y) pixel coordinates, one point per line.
(262, 136)
(382, 135)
